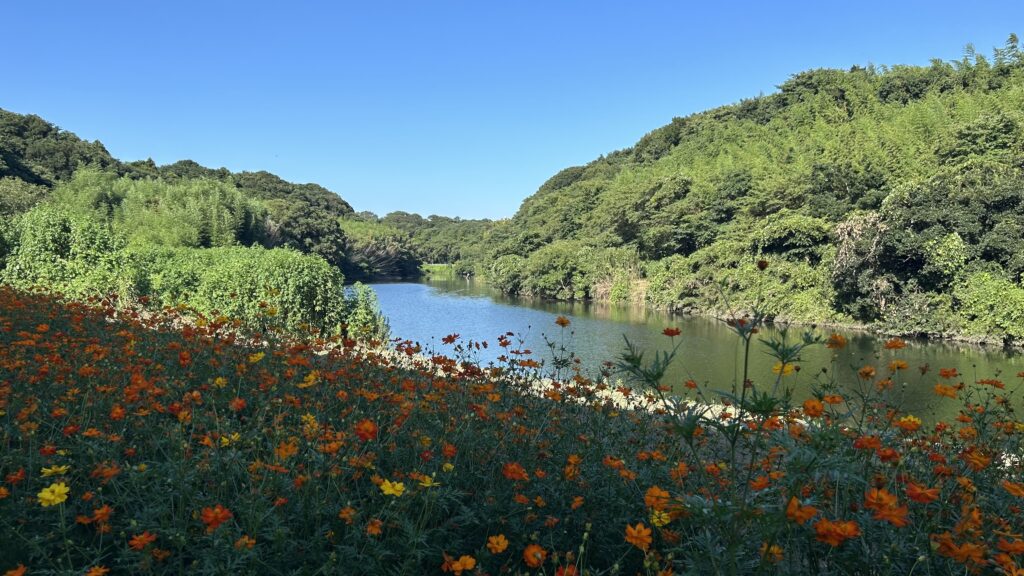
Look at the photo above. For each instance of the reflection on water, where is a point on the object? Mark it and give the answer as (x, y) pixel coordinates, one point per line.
(710, 354)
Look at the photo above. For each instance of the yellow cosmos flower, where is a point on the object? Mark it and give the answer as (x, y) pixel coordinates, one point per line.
(783, 369)
(220, 382)
(53, 494)
(660, 518)
(229, 439)
(448, 467)
(310, 380)
(390, 488)
(254, 358)
(428, 482)
(56, 470)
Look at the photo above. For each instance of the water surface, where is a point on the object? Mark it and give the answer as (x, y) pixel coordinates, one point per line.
(710, 353)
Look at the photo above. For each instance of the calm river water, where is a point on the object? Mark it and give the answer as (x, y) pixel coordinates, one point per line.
(710, 353)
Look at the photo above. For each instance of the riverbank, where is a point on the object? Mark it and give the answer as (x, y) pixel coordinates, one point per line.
(637, 298)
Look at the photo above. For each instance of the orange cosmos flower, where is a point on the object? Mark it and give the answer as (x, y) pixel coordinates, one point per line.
(497, 544)
(867, 443)
(140, 541)
(1014, 547)
(374, 527)
(214, 517)
(833, 399)
(655, 498)
(514, 471)
(867, 372)
(836, 341)
(366, 430)
(245, 542)
(671, 332)
(921, 494)
(562, 321)
(798, 513)
(895, 344)
(975, 459)
(835, 533)
(237, 405)
(348, 514)
(639, 536)
(771, 553)
(943, 390)
(18, 571)
(97, 571)
(534, 556)
(1013, 488)
(464, 563)
(813, 407)
(679, 472)
(895, 515)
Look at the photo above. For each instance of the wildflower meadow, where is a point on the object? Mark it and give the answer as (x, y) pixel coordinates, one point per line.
(142, 443)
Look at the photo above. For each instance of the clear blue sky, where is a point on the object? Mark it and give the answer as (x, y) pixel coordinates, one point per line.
(438, 107)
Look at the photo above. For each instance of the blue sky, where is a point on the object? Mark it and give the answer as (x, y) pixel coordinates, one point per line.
(442, 107)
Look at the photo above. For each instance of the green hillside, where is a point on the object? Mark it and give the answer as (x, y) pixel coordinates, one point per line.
(889, 196)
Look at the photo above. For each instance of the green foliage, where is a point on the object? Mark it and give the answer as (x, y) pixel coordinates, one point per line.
(506, 273)
(377, 250)
(363, 318)
(197, 213)
(59, 250)
(559, 270)
(263, 288)
(18, 196)
(38, 152)
(992, 307)
(873, 192)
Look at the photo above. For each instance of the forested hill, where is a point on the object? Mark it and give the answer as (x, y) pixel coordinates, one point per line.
(892, 196)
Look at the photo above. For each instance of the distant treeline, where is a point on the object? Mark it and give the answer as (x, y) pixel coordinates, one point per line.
(884, 196)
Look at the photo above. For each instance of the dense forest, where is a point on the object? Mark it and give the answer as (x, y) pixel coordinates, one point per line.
(885, 196)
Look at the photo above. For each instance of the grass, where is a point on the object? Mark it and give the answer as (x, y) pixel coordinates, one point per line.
(140, 444)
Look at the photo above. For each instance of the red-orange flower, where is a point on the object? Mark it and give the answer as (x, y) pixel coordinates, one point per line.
(671, 332)
(921, 494)
(835, 532)
(1013, 488)
(515, 471)
(813, 407)
(895, 344)
(214, 517)
(534, 555)
(799, 513)
(140, 541)
(366, 430)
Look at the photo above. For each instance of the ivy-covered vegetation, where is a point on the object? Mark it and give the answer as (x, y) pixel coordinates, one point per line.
(886, 196)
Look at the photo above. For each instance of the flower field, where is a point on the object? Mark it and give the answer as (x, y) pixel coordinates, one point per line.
(141, 444)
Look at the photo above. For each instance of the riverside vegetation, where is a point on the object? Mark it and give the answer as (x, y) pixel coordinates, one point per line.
(135, 443)
(885, 197)
(889, 197)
